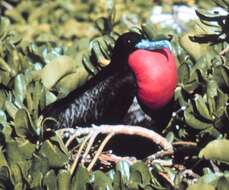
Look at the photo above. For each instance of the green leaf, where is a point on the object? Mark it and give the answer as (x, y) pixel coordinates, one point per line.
(49, 180)
(15, 174)
(80, 179)
(19, 150)
(118, 181)
(202, 108)
(98, 50)
(20, 88)
(209, 177)
(3, 119)
(199, 186)
(140, 173)
(21, 123)
(195, 123)
(101, 181)
(3, 161)
(221, 101)
(194, 49)
(53, 150)
(111, 174)
(103, 25)
(11, 109)
(184, 72)
(72, 81)
(190, 87)
(124, 168)
(149, 30)
(19, 186)
(24, 125)
(5, 182)
(89, 67)
(57, 69)
(37, 96)
(180, 97)
(63, 180)
(216, 150)
(222, 183)
(38, 169)
(50, 98)
(4, 25)
(212, 88)
(221, 76)
(5, 67)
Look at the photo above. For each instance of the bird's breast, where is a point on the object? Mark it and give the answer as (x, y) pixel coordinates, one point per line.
(156, 76)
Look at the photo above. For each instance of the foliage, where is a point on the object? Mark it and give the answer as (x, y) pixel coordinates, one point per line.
(29, 161)
(44, 56)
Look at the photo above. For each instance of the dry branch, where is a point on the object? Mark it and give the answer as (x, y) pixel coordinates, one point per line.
(79, 153)
(103, 144)
(107, 158)
(110, 131)
(122, 130)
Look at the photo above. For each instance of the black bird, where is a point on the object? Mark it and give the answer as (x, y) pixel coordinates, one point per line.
(106, 97)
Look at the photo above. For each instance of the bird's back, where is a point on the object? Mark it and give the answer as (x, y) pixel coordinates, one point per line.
(103, 102)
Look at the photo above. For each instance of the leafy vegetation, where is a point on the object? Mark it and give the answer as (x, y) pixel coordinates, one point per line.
(49, 48)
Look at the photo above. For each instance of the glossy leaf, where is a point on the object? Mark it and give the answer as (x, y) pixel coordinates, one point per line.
(57, 69)
(216, 150)
(222, 184)
(80, 179)
(63, 180)
(202, 108)
(101, 181)
(49, 180)
(3, 161)
(201, 186)
(56, 156)
(140, 173)
(20, 88)
(195, 123)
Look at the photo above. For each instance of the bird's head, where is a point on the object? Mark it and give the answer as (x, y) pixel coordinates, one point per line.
(124, 46)
(153, 65)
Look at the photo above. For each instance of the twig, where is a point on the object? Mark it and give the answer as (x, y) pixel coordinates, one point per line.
(90, 143)
(112, 130)
(124, 130)
(222, 54)
(106, 158)
(214, 167)
(166, 163)
(151, 159)
(166, 178)
(79, 153)
(224, 51)
(99, 151)
(69, 141)
(184, 143)
(7, 5)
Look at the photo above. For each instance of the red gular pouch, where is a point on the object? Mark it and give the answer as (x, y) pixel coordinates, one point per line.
(156, 75)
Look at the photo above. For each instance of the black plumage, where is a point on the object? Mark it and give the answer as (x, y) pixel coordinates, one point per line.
(106, 102)
(105, 98)
(136, 116)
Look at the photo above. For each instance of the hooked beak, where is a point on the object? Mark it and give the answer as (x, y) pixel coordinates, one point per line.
(154, 44)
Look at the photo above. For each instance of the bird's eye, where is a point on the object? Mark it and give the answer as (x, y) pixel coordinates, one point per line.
(128, 41)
